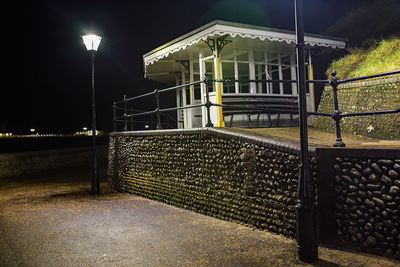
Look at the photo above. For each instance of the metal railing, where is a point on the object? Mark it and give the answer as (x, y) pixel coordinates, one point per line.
(336, 115)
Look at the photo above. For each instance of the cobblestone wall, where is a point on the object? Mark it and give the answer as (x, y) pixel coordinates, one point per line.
(381, 94)
(367, 206)
(228, 176)
(253, 181)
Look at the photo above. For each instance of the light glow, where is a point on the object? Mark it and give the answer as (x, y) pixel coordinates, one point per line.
(91, 41)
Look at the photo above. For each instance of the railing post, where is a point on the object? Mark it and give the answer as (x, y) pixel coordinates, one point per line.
(157, 94)
(208, 103)
(125, 114)
(336, 113)
(115, 116)
(131, 123)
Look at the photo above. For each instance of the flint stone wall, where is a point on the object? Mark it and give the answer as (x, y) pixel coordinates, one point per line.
(361, 202)
(253, 181)
(379, 94)
(216, 172)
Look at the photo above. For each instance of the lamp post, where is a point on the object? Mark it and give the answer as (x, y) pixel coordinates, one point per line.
(307, 246)
(92, 42)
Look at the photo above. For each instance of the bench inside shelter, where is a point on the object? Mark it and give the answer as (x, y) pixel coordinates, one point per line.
(239, 109)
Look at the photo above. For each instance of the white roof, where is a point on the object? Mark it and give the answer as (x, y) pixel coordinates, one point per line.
(244, 35)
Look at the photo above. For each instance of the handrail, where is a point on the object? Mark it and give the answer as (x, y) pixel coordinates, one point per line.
(336, 115)
(264, 81)
(179, 86)
(369, 76)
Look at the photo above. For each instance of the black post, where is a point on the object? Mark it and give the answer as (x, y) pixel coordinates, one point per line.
(307, 247)
(157, 94)
(115, 116)
(336, 113)
(125, 114)
(208, 103)
(95, 178)
(131, 122)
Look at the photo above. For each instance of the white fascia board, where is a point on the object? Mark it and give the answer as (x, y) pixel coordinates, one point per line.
(175, 47)
(219, 29)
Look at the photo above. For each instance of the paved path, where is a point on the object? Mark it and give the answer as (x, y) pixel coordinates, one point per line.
(53, 221)
(319, 138)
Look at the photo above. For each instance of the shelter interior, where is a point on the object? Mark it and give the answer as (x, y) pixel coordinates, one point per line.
(236, 52)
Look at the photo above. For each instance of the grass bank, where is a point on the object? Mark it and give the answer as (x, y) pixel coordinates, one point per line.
(381, 56)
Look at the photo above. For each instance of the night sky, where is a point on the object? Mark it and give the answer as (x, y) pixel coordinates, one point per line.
(47, 85)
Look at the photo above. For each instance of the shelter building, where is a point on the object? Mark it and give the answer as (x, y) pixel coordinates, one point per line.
(234, 51)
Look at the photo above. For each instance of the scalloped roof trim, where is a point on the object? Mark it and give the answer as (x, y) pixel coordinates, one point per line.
(232, 31)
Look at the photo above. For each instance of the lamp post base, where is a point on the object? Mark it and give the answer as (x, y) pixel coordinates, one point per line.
(307, 255)
(307, 245)
(339, 143)
(95, 188)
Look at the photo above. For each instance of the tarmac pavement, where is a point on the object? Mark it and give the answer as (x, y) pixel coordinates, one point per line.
(52, 220)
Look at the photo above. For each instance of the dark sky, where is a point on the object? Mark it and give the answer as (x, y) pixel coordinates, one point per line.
(48, 79)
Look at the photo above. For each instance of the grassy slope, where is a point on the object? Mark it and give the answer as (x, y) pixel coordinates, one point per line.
(381, 57)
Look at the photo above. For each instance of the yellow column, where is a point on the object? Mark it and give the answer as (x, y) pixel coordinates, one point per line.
(311, 87)
(218, 90)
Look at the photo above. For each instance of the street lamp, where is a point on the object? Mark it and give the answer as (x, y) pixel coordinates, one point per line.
(92, 42)
(307, 245)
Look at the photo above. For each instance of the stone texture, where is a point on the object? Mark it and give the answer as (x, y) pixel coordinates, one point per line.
(255, 184)
(380, 94)
(374, 226)
(224, 177)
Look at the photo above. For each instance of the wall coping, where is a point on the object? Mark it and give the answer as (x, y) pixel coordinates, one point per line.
(379, 81)
(282, 145)
(360, 152)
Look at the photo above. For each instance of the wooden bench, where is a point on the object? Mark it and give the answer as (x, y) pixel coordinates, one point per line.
(257, 104)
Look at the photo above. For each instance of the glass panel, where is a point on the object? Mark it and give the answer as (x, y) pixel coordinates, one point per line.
(264, 84)
(187, 96)
(242, 56)
(285, 59)
(259, 56)
(228, 72)
(227, 54)
(258, 75)
(272, 58)
(196, 67)
(197, 94)
(210, 72)
(275, 76)
(287, 87)
(243, 69)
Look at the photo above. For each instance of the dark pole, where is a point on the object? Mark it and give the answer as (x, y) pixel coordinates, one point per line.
(125, 114)
(336, 113)
(95, 179)
(157, 95)
(114, 116)
(307, 247)
(208, 103)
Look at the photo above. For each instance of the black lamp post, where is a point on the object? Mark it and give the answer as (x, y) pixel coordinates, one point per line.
(307, 246)
(92, 42)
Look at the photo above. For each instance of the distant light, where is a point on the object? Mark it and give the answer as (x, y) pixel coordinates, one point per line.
(32, 130)
(84, 128)
(5, 134)
(146, 126)
(91, 41)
